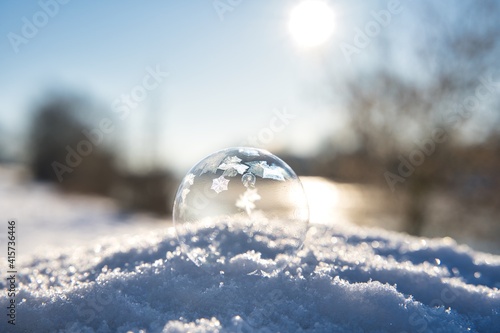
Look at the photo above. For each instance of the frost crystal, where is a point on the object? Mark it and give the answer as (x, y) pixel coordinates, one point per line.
(274, 172)
(262, 169)
(247, 200)
(220, 184)
(249, 152)
(232, 159)
(257, 168)
(232, 164)
(189, 179)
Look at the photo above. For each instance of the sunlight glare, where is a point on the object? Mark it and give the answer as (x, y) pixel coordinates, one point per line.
(311, 23)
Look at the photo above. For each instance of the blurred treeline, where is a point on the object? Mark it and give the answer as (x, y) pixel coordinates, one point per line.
(72, 144)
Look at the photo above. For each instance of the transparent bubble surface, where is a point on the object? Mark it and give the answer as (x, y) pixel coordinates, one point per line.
(241, 202)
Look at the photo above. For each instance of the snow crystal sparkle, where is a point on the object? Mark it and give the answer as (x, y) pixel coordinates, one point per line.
(247, 191)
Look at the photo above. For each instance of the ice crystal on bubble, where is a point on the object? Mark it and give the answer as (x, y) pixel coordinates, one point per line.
(247, 200)
(219, 184)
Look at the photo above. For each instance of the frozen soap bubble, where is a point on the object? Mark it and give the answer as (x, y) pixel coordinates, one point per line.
(241, 206)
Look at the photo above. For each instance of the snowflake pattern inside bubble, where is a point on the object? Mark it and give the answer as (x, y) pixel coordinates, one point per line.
(242, 190)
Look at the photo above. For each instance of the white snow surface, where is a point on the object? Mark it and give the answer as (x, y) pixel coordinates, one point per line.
(344, 279)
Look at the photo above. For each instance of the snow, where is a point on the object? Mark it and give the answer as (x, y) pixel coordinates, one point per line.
(344, 279)
(49, 218)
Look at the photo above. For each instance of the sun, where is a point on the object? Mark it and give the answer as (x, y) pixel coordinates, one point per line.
(311, 23)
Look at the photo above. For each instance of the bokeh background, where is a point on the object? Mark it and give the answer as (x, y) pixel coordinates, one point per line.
(392, 119)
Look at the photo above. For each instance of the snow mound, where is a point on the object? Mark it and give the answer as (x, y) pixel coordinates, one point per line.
(344, 279)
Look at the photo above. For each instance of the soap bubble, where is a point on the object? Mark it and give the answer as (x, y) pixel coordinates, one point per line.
(239, 203)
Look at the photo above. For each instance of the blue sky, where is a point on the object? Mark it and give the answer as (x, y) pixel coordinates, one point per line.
(226, 77)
